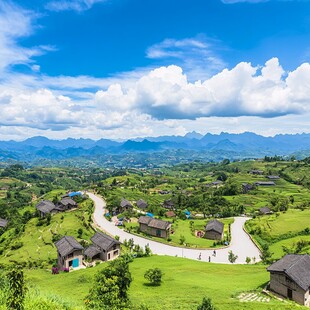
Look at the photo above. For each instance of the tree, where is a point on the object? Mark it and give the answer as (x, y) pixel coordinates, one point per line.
(232, 257)
(16, 290)
(206, 304)
(182, 239)
(153, 276)
(248, 259)
(110, 288)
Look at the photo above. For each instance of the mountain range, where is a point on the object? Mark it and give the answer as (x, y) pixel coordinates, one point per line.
(242, 145)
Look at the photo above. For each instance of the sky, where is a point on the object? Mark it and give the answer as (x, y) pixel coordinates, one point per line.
(121, 69)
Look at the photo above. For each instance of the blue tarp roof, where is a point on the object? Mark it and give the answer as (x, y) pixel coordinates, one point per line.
(75, 194)
(150, 214)
(187, 212)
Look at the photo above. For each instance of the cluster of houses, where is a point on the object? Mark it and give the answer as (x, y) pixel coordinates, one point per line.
(66, 203)
(214, 229)
(70, 253)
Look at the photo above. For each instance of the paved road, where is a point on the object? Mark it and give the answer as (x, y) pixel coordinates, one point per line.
(241, 243)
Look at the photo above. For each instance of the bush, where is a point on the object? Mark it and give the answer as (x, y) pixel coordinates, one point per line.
(153, 276)
(206, 304)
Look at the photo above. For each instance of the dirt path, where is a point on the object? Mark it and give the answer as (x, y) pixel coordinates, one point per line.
(241, 243)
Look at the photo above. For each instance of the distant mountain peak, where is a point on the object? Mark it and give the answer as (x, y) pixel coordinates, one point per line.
(193, 135)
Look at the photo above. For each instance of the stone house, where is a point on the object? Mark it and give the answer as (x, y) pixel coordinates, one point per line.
(104, 247)
(214, 230)
(154, 227)
(290, 278)
(70, 253)
(168, 204)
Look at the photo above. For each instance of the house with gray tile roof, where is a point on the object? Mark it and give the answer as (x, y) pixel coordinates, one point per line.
(290, 278)
(45, 207)
(154, 227)
(214, 230)
(103, 247)
(70, 252)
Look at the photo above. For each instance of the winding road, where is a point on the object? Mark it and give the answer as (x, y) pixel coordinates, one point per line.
(241, 243)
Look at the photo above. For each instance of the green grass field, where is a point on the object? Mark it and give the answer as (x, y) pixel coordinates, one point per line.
(185, 282)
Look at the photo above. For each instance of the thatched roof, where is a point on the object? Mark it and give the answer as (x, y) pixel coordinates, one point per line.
(67, 201)
(125, 203)
(67, 245)
(296, 267)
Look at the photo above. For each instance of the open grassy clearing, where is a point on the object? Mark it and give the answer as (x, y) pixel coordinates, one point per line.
(185, 282)
(277, 247)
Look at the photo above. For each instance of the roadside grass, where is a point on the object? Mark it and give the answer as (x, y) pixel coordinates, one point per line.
(277, 250)
(184, 284)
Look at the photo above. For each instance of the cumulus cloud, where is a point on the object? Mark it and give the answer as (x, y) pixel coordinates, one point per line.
(71, 5)
(245, 90)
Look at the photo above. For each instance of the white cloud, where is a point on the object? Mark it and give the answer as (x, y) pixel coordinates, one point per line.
(71, 5)
(165, 93)
(199, 57)
(16, 23)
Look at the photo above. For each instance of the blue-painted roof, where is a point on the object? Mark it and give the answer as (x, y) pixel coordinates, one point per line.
(75, 194)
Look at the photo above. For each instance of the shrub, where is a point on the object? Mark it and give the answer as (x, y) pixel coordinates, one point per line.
(153, 276)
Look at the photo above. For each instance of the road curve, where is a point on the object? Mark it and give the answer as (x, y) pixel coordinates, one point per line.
(241, 243)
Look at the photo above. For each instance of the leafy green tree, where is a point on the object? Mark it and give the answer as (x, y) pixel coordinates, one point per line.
(16, 289)
(232, 257)
(206, 304)
(154, 276)
(110, 288)
(182, 239)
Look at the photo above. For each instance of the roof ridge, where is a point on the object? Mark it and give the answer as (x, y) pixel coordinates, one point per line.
(300, 256)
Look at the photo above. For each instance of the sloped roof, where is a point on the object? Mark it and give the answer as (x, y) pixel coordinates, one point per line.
(170, 214)
(141, 204)
(103, 241)
(144, 219)
(215, 225)
(273, 177)
(3, 223)
(125, 203)
(67, 201)
(265, 210)
(265, 183)
(296, 267)
(159, 224)
(154, 223)
(91, 251)
(45, 206)
(67, 245)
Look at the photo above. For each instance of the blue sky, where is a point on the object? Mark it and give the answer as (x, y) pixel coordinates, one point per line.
(129, 68)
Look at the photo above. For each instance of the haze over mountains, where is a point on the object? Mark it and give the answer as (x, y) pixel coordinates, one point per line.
(225, 144)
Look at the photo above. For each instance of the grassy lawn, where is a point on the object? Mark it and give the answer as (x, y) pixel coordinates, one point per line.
(185, 282)
(183, 228)
(293, 220)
